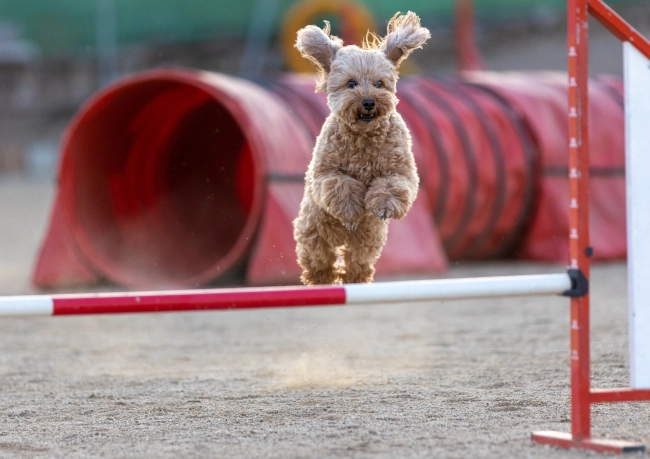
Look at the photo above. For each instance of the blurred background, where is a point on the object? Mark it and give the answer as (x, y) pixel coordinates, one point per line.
(55, 53)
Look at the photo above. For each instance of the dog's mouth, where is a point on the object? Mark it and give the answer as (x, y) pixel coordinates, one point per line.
(366, 117)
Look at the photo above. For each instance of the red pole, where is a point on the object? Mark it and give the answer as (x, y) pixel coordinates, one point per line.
(467, 53)
(617, 26)
(579, 213)
(196, 300)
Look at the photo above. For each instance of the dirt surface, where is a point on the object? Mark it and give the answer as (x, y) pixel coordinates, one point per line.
(442, 379)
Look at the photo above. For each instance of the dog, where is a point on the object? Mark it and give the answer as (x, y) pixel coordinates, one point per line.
(362, 172)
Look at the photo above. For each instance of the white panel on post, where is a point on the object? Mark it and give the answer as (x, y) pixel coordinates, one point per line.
(637, 176)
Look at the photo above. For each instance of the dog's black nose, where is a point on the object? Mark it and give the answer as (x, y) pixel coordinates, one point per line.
(368, 104)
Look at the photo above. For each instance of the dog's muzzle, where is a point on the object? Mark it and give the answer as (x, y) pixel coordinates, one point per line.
(369, 106)
(366, 117)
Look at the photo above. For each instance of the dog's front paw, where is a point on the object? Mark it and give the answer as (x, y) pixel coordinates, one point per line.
(350, 212)
(351, 226)
(383, 214)
(390, 197)
(383, 208)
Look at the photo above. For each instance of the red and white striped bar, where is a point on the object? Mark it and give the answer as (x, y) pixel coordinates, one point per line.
(272, 297)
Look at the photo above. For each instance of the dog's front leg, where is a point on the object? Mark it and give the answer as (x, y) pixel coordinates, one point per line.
(391, 196)
(341, 196)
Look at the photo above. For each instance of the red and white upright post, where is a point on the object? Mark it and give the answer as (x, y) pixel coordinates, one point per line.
(579, 250)
(638, 195)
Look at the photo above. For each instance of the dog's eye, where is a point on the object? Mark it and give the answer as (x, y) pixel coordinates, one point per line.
(379, 84)
(352, 84)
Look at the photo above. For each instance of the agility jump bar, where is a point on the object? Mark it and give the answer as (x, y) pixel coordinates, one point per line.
(276, 297)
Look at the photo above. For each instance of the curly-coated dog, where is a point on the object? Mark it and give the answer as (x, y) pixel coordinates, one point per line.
(362, 171)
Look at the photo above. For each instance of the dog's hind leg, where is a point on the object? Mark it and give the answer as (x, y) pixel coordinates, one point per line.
(317, 242)
(318, 262)
(363, 250)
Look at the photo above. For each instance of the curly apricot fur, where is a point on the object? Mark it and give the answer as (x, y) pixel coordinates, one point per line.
(362, 171)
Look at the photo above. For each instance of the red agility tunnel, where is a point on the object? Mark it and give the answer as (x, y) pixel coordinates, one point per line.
(541, 101)
(180, 178)
(162, 180)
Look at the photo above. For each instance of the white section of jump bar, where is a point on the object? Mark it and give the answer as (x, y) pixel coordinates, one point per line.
(637, 173)
(26, 305)
(457, 289)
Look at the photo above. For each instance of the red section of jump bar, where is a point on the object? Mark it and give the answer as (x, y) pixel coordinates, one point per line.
(618, 26)
(619, 395)
(119, 303)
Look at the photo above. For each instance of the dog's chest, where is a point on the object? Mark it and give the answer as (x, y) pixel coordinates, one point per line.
(364, 163)
(363, 171)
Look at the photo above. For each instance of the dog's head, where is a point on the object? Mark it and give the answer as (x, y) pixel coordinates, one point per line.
(361, 82)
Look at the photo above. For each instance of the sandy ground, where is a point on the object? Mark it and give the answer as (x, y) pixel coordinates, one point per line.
(442, 379)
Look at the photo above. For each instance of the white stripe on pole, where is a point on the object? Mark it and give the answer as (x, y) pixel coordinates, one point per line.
(27, 305)
(455, 289)
(637, 174)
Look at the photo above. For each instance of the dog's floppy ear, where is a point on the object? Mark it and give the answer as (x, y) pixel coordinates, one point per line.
(404, 34)
(320, 48)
